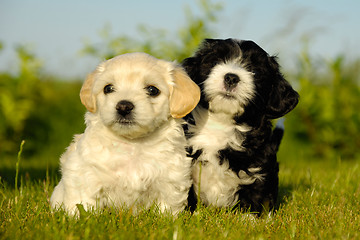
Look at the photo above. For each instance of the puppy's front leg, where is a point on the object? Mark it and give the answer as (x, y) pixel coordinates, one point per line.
(173, 197)
(57, 197)
(60, 199)
(67, 197)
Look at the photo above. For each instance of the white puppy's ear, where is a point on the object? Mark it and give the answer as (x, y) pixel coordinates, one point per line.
(86, 93)
(185, 94)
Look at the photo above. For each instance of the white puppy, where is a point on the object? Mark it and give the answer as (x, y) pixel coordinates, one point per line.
(132, 153)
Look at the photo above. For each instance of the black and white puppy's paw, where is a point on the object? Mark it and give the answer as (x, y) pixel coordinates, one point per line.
(230, 134)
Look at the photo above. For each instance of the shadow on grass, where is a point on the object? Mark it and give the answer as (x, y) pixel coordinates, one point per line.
(285, 192)
(29, 174)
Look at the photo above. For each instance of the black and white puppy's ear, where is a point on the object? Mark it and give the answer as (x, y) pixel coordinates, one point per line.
(283, 98)
(191, 66)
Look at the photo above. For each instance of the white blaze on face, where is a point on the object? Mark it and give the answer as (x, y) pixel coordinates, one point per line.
(223, 99)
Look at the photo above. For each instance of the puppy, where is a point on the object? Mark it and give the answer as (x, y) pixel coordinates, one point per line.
(132, 153)
(231, 140)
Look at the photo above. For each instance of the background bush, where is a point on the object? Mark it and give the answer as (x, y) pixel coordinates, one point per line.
(327, 120)
(42, 110)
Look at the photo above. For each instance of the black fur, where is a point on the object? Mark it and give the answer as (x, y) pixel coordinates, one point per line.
(274, 98)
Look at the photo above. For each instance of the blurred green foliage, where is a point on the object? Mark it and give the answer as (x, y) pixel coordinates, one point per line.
(328, 116)
(19, 95)
(46, 111)
(38, 109)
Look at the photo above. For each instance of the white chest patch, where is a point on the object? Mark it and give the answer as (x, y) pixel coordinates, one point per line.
(216, 183)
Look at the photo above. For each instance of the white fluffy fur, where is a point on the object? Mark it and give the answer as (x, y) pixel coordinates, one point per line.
(224, 101)
(127, 165)
(216, 183)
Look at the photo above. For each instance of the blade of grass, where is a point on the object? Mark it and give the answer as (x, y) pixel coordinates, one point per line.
(17, 164)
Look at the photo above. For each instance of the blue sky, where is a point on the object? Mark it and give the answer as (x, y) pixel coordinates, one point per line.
(56, 30)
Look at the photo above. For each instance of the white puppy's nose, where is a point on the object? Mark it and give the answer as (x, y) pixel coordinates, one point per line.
(124, 107)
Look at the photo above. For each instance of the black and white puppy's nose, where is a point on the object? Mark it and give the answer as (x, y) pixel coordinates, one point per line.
(231, 80)
(124, 107)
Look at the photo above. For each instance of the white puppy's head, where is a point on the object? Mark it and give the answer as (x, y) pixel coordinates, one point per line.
(135, 93)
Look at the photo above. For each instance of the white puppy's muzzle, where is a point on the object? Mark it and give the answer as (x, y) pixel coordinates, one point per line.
(124, 110)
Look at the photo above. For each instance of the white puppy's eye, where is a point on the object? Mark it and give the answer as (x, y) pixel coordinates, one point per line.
(152, 91)
(109, 89)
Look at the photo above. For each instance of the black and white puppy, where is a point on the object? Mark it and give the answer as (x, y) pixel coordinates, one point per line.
(231, 138)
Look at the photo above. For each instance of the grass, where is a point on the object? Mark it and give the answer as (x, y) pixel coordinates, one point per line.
(318, 199)
(18, 164)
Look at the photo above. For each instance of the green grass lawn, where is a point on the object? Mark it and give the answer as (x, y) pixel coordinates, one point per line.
(318, 199)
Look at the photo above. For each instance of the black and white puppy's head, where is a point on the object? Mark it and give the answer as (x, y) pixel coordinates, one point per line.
(240, 79)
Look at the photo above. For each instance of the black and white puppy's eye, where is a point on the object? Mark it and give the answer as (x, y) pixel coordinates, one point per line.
(109, 88)
(152, 91)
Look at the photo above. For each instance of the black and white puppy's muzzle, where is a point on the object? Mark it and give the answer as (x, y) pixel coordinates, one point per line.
(230, 81)
(230, 134)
